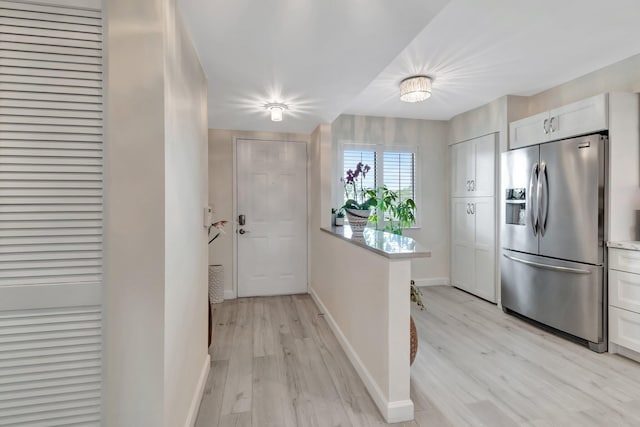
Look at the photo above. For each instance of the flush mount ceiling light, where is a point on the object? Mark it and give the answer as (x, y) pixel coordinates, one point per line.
(415, 89)
(276, 110)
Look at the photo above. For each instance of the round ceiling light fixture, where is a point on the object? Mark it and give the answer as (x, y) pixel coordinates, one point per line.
(415, 88)
(276, 109)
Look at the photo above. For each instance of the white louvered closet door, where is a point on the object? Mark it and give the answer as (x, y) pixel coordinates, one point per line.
(50, 215)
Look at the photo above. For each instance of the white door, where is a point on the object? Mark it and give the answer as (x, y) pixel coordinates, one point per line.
(463, 268)
(484, 226)
(272, 197)
(462, 169)
(51, 210)
(484, 152)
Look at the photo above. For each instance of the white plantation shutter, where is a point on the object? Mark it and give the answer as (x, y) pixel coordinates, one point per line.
(50, 215)
(399, 173)
(350, 160)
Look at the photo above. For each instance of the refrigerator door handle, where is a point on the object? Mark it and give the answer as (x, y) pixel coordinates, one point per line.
(532, 212)
(543, 199)
(547, 266)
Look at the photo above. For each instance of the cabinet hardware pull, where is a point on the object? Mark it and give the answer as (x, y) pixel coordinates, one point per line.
(544, 126)
(551, 129)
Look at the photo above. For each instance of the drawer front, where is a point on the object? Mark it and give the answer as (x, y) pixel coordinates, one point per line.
(624, 260)
(624, 290)
(624, 328)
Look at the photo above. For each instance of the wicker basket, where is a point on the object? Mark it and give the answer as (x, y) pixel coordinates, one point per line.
(216, 284)
(414, 340)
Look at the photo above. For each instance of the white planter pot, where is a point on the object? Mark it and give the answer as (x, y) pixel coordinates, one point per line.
(339, 222)
(358, 219)
(216, 284)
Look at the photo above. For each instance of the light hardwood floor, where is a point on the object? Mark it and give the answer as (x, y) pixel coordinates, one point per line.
(275, 362)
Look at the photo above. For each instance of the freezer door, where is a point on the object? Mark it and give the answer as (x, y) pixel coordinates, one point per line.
(519, 172)
(571, 195)
(564, 295)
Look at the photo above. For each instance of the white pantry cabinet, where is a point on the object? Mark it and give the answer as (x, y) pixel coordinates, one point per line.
(579, 118)
(624, 301)
(473, 246)
(473, 216)
(473, 167)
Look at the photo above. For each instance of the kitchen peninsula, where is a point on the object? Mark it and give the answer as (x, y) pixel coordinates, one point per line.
(362, 286)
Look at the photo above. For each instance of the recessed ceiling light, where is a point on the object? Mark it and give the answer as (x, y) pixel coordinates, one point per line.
(415, 89)
(276, 110)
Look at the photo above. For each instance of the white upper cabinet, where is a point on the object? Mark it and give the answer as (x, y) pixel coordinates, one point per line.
(473, 167)
(579, 118)
(529, 131)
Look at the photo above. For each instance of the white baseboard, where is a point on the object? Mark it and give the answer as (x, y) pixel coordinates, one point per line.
(229, 294)
(393, 412)
(437, 281)
(197, 396)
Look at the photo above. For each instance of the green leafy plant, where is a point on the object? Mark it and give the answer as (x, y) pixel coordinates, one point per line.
(396, 214)
(391, 211)
(340, 214)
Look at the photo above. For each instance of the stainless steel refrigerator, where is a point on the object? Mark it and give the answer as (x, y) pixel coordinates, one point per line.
(552, 236)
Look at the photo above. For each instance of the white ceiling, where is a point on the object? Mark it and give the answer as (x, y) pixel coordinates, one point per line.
(314, 55)
(327, 57)
(480, 50)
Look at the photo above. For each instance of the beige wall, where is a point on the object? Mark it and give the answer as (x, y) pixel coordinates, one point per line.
(221, 191)
(155, 243)
(431, 138)
(134, 215)
(186, 252)
(495, 116)
(623, 76)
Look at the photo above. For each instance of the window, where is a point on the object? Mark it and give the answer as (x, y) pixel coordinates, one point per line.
(351, 158)
(399, 173)
(392, 166)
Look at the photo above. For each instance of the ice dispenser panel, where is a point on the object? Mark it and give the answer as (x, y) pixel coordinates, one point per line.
(516, 206)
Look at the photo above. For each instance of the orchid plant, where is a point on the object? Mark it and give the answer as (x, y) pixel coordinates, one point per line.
(358, 197)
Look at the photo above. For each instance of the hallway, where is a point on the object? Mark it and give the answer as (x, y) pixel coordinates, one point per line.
(277, 363)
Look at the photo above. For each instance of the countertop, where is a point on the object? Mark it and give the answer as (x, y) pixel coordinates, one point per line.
(632, 246)
(382, 243)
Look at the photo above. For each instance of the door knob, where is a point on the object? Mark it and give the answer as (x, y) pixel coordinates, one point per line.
(242, 231)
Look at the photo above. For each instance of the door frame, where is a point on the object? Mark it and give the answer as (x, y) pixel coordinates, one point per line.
(234, 277)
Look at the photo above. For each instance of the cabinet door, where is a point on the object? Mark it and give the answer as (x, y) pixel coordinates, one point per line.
(580, 118)
(624, 290)
(484, 248)
(462, 169)
(462, 245)
(529, 131)
(484, 152)
(624, 328)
